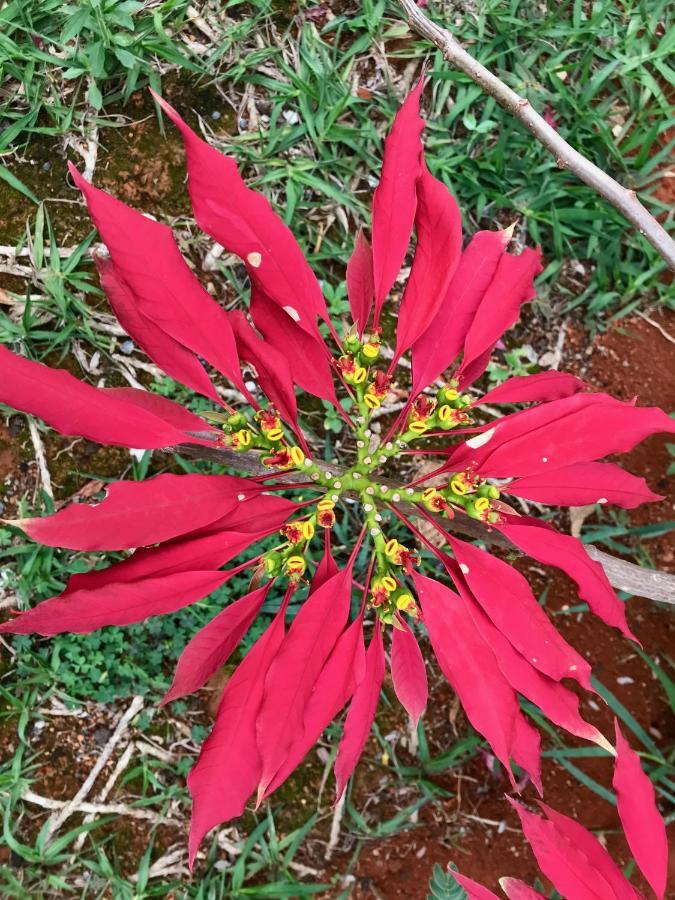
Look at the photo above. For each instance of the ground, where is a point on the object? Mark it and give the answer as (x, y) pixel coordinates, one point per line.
(603, 289)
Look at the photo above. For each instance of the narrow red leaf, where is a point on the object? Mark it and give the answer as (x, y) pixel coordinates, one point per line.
(526, 751)
(438, 347)
(562, 861)
(508, 601)
(583, 484)
(438, 224)
(511, 286)
(360, 286)
(169, 354)
(361, 713)
(594, 852)
(474, 890)
(165, 409)
(395, 198)
(273, 371)
(229, 766)
(137, 513)
(75, 408)
(211, 646)
(643, 826)
(83, 611)
(515, 889)
(337, 682)
(244, 223)
(543, 386)
(327, 567)
(308, 358)
(408, 673)
(470, 666)
(146, 257)
(266, 511)
(293, 675)
(543, 543)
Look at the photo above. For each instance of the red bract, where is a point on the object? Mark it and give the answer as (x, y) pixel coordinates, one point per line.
(492, 639)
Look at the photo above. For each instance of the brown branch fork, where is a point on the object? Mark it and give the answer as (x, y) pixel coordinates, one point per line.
(625, 576)
(623, 199)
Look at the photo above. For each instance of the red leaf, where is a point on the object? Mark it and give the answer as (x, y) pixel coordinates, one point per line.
(272, 368)
(146, 257)
(395, 197)
(643, 826)
(191, 552)
(170, 355)
(75, 408)
(438, 224)
(548, 546)
(229, 766)
(137, 513)
(294, 672)
(507, 599)
(515, 889)
(474, 890)
(83, 611)
(561, 860)
(327, 568)
(582, 484)
(260, 513)
(243, 222)
(438, 347)
(360, 286)
(576, 429)
(210, 648)
(594, 852)
(469, 665)
(308, 357)
(511, 286)
(409, 673)
(526, 751)
(550, 385)
(361, 713)
(557, 703)
(335, 685)
(165, 409)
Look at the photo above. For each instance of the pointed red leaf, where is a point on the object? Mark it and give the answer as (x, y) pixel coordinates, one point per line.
(543, 543)
(583, 484)
(561, 860)
(83, 611)
(272, 368)
(438, 347)
(438, 224)
(515, 889)
(243, 222)
(360, 286)
(165, 409)
(594, 852)
(643, 826)
(146, 257)
(337, 682)
(170, 355)
(229, 766)
(137, 513)
(308, 358)
(408, 673)
(508, 601)
(212, 645)
(395, 198)
(75, 408)
(543, 386)
(327, 567)
(526, 751)
(294, 673)
(469, 665)
(266, 511)
(474, 890)
(361, 713)
(511, 286)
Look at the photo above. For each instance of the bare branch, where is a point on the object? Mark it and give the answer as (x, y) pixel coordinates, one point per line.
(623, 199)
(625, 576)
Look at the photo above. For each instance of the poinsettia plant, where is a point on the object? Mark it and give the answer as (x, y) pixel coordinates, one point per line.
(490, 636)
